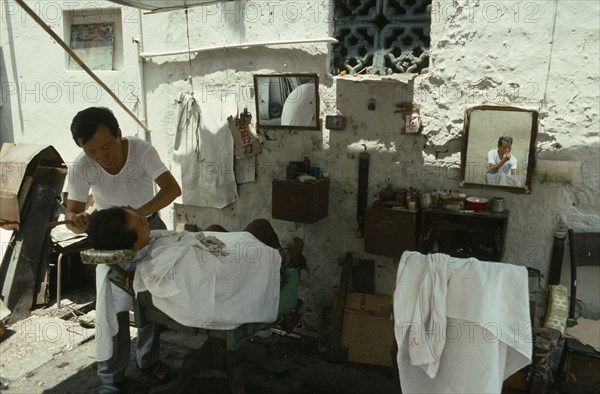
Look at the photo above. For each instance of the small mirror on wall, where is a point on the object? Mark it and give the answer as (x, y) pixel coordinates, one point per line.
(289, 101)
(498, 148)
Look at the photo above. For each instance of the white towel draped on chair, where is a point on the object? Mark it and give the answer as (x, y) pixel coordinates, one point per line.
(462, 325)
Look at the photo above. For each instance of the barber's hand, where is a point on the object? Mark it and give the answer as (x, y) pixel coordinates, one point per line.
(80, 222)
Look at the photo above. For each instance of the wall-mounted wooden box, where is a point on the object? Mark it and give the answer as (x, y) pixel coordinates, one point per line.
(300, 202)
(390, 232)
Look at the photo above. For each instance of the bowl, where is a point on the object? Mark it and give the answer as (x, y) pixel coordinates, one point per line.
(477, 203)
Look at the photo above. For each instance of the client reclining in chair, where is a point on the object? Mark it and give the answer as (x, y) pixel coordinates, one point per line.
(209, 279)
(223, 284)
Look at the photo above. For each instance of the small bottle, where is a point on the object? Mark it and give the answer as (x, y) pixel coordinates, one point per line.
(305, 163)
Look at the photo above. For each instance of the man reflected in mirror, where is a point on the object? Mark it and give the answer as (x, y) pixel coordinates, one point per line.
(500, 161)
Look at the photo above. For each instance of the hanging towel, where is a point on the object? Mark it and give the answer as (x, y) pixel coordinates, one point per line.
(462, 325)
(203, 152)
(110, 300)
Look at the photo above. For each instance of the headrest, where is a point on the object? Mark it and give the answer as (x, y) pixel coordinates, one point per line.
(93, 256)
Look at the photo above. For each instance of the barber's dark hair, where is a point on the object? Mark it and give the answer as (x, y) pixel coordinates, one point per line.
(107, 230)
(86, 122)
(504, 138)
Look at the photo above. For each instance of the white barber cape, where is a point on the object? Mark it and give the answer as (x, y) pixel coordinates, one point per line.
(209, 286)
(193, 286)
(462, 325)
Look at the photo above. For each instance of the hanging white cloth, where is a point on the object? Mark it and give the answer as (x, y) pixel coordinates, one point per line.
(203, 152)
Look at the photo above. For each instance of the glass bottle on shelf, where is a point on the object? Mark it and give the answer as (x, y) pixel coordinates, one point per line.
(305, 163)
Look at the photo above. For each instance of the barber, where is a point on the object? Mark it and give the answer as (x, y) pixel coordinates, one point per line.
(119, 172)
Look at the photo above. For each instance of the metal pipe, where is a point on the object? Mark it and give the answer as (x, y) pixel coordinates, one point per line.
(58, 279)
(80, 62)
(330, 40)
(140, 48)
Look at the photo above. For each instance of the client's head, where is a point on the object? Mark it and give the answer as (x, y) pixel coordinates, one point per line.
(118, 228)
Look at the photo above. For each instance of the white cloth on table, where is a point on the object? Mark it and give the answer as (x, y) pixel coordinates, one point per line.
(462, 325)
(204, 287)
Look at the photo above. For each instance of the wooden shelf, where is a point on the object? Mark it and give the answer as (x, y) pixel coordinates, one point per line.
(479, 234)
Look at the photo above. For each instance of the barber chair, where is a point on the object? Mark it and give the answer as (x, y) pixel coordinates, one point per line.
(579, 364)
(223, 348)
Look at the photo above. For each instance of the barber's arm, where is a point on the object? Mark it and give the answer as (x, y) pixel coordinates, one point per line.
(76, 212)
(169, 191)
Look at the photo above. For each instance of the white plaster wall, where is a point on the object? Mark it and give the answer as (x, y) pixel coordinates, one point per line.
(535, 54)
(40, 95)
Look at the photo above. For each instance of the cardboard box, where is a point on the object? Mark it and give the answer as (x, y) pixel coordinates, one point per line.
(19, 164)
(368, 329)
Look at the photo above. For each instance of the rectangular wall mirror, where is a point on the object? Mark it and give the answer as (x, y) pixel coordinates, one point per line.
(499, 148)
(289, 101)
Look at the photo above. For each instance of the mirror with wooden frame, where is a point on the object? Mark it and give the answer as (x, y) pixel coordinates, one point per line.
(498, 148)
(289, 101)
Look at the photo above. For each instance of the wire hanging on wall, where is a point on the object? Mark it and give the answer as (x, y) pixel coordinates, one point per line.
(187, 27)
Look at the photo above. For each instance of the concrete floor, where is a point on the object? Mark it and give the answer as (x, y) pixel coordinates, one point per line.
(35, 359)
(51, 353)
(295, 367)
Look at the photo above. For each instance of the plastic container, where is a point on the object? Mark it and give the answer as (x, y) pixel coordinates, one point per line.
(293, 169)
(314, 171)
